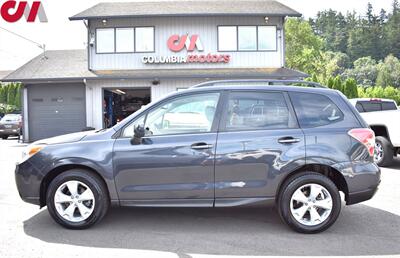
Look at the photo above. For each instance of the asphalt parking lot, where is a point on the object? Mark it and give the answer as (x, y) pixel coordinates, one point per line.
(371, 228)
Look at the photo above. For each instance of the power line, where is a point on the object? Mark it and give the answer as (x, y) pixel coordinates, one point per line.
(41, 46)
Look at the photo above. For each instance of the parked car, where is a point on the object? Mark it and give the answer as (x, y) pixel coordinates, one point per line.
(10, 125)
(383, 117)
(308, 147)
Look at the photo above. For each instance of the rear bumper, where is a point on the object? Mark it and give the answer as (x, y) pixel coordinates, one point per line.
(363, 179)
(9, 131)
(28, 184)
(362, 196)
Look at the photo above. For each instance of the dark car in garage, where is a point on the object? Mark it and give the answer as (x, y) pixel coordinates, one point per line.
(10, 125)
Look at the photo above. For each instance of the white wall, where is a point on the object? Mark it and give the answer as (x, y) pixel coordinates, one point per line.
(94, 94)
(205, 27)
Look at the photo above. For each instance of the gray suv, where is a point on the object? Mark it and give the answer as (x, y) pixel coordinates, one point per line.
(219, 144)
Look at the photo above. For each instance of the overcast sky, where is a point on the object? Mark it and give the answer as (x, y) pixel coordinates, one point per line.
(60, 33)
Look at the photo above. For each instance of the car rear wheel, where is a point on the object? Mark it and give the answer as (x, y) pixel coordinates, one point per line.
(384, 152)
(77, 199)
(4, 137)
(309, 203)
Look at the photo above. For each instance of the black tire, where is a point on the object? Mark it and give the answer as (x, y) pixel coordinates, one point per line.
(4, 137)
(96, 185)
(294, 183)
(388, 152)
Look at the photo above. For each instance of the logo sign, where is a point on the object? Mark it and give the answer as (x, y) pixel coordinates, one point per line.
(12, 11)
(177, 43)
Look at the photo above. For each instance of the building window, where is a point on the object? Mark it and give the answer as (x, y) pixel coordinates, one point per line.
(124, 39)
(247, 38)
(267, 38)
(227, 38)
(144, 39)
(105, 40)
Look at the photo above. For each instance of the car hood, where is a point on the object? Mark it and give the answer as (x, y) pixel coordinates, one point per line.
(67, 138)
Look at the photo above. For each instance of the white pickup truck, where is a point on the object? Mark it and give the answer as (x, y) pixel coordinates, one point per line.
(383, 116)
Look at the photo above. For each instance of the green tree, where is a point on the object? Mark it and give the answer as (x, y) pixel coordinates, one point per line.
(389, 72)
(17, 100)
(303, 47)
(11, 94)
(350, 88)
(335, 63)
(330, 82)
(365, 71)
(337, 84)
(3, 97)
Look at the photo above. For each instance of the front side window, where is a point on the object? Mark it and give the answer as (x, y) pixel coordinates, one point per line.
(247, 38)
(124, 40)
(129, 130)
(186, 114)
(258, 110)
(105, 40)
(144, 39)
(314, 110)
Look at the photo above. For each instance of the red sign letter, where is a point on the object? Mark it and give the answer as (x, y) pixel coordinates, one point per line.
(11, 5)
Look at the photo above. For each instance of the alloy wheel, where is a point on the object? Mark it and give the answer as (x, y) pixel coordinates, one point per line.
(311, 204)
(74, 201)
(378, 155)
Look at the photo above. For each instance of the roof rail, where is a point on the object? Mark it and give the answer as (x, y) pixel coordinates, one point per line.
(268, 82)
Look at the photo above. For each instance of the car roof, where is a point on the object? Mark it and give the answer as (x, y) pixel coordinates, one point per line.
(253, 86)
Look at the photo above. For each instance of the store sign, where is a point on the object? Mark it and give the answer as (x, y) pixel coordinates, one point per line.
(191, 43)
(12, 11)
(177, 43)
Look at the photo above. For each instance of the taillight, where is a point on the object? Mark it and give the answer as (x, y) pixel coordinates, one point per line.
(366, 136)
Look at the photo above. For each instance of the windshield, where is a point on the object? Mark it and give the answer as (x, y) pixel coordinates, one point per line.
(11, 118)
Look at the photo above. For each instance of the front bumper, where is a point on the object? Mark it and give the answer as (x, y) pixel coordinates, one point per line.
(28, 182)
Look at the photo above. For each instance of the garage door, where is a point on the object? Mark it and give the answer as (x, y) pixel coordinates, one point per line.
(55, 109)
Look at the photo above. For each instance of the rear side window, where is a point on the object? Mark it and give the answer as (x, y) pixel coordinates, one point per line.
(314, 110)
(257, 111)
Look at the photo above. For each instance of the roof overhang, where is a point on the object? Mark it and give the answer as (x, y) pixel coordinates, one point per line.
(153, 74)
(79, 18)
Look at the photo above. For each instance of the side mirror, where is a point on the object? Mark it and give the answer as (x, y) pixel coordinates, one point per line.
(139, 133)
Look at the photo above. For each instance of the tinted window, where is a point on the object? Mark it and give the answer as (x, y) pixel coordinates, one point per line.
(388, 106)
(258, 110)
(360, 107)
(315, 110)
(371, 106)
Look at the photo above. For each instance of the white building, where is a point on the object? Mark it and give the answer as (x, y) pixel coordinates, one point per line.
(138, 52)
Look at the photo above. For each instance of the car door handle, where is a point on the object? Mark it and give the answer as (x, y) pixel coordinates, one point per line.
(288, 140)
(201, 146)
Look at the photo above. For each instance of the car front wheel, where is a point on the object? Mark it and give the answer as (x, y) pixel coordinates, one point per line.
(77, 199)
(309, 203)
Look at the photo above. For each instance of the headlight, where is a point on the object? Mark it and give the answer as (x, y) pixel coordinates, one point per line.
(30, 151)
